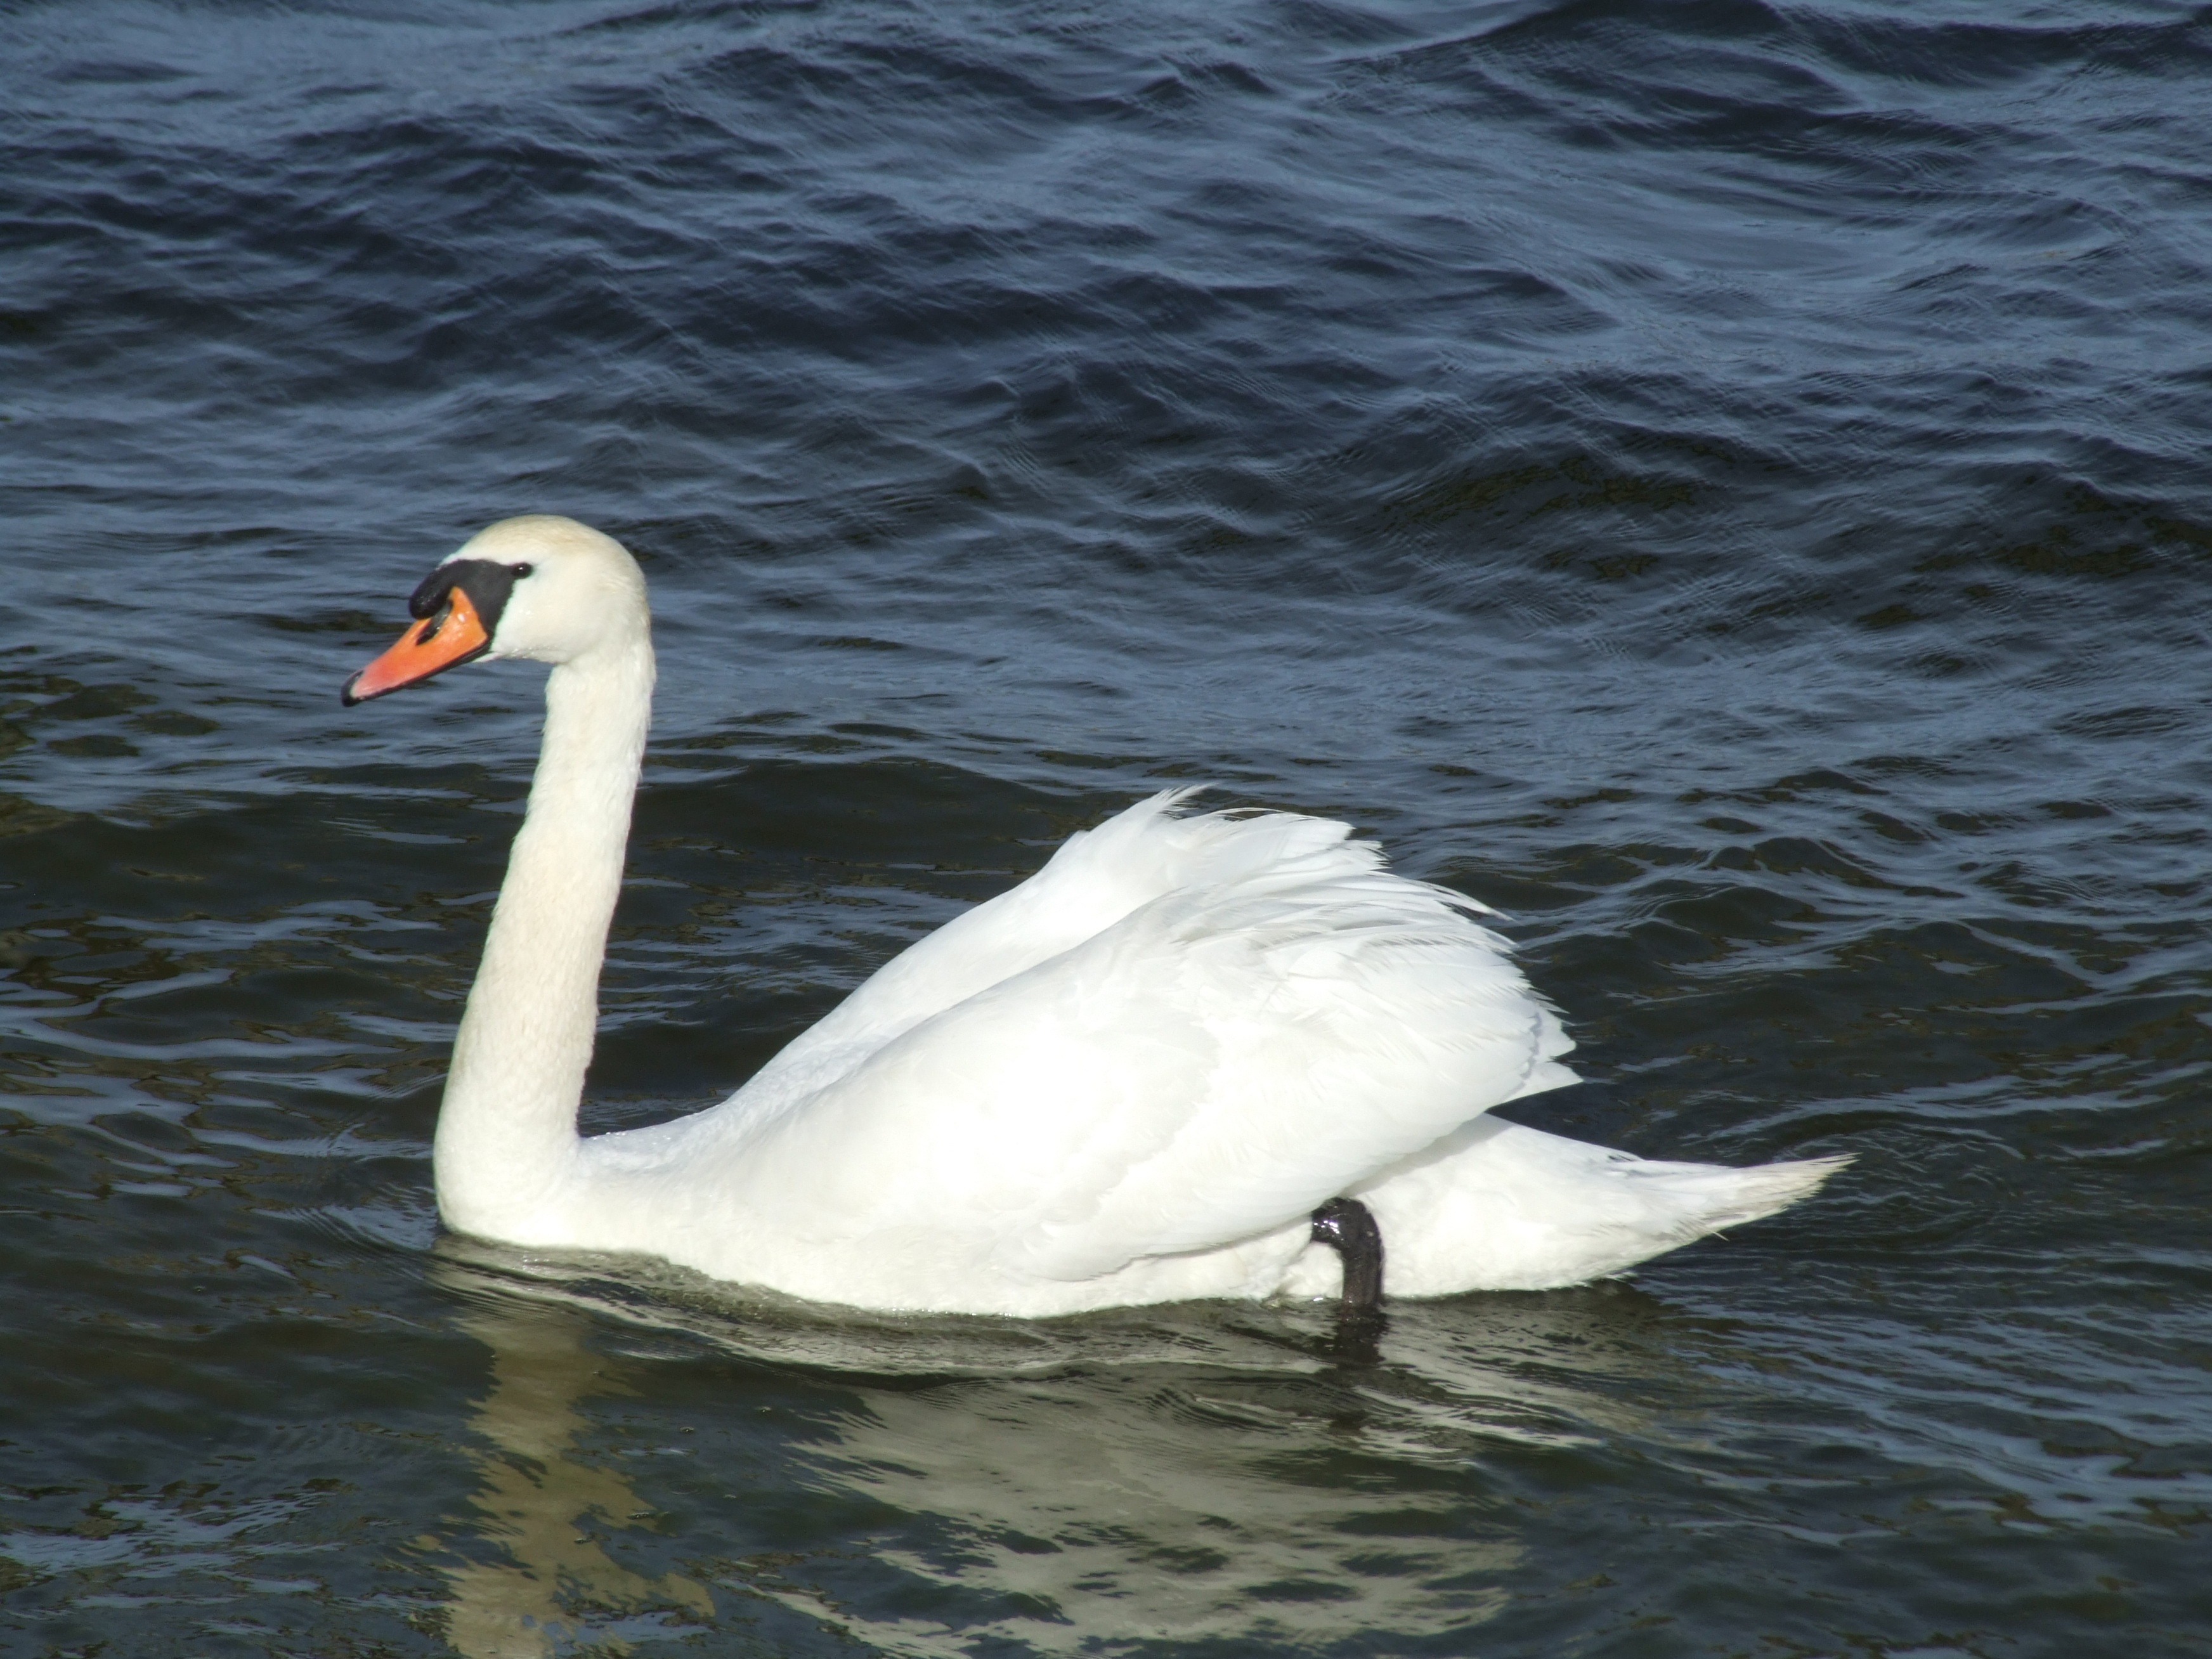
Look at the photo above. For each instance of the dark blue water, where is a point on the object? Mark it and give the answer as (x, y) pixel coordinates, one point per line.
(1725, 482)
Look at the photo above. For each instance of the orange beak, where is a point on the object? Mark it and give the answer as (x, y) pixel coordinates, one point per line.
(453, 635)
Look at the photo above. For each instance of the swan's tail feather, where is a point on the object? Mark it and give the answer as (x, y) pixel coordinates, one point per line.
(1715, 1197)
(1501, 1207)
(1766, 1189)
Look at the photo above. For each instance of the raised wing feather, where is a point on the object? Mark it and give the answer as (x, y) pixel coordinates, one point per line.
(1214, 1063)
(1092, 881)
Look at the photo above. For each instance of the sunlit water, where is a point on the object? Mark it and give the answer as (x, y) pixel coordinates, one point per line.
(1724, 483)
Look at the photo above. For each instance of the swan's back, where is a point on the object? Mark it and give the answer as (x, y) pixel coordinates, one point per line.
(1277, 871)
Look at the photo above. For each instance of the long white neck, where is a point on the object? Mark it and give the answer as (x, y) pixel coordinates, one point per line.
(506, 1146)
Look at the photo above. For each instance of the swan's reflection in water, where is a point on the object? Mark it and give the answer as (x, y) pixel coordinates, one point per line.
(1170, 1474)
(545, 1585)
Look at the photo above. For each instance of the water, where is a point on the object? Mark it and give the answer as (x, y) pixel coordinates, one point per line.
(1722, 481)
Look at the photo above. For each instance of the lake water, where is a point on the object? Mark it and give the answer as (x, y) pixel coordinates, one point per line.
(1724, 482)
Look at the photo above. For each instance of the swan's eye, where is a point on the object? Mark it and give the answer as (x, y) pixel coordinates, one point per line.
(522, 570)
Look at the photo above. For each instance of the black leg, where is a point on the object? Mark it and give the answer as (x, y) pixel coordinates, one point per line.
(1347, 1226)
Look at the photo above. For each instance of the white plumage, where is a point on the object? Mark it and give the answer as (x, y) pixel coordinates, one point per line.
(1130, 1079)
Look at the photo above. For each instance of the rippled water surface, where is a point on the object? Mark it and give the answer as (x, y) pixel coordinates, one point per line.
(1724, 482)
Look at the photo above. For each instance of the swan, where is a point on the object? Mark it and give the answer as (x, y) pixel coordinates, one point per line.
(1196, 1056)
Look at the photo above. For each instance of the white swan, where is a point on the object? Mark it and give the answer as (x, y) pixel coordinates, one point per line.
(1130, 1079)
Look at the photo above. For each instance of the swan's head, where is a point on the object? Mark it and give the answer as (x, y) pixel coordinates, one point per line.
(543, 588)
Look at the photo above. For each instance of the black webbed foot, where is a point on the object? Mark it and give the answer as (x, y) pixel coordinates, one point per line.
(1347, 1226)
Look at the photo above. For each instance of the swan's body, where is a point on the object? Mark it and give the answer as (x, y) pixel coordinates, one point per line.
(1130, 1079)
